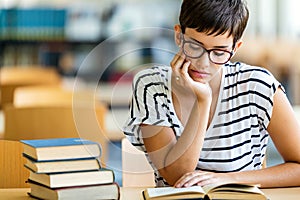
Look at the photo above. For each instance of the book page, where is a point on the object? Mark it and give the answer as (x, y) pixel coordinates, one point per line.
(164, 191)
(232, 188)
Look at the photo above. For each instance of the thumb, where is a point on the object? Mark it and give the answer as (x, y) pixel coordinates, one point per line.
(184, 69)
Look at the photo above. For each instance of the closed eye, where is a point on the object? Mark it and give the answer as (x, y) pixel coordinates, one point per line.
(194, 46)
(219, 52)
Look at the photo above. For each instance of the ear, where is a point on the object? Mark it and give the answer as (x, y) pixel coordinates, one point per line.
(237, 46)
(177, 33)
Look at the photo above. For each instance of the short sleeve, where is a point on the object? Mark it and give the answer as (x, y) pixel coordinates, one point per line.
(266, 85)
(149, 104)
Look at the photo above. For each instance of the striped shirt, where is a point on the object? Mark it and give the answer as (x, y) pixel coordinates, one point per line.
(236, 139)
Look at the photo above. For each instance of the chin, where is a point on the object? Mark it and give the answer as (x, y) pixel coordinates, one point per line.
(200, 80)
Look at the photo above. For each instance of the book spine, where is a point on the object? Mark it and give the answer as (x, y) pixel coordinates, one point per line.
(99, 162)
(100, 149)
(35, 160)
(119, 192)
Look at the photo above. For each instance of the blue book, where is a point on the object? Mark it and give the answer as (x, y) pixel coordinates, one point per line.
(61, 149)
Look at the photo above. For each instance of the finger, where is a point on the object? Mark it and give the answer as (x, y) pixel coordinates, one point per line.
(206, 182)
(177, 62)
(182, 180)
(185, 68)
(193, 181)
(197, 179)
(193, 178)
(200, 180)
(187, 177)
(175, 58)
(180, 183)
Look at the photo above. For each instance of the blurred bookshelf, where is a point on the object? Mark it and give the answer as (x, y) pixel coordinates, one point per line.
(61, 35)
(32, 24)
(39, 36)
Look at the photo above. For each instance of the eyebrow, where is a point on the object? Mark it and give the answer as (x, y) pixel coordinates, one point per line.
(218, 47)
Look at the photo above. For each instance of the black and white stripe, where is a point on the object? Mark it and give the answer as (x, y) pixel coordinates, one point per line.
(236, 139)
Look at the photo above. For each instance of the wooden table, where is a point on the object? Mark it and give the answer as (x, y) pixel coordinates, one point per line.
(135, 193)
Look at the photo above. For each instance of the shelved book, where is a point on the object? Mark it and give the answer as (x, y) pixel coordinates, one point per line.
(99, 192)
(61, 149)
(215, 191)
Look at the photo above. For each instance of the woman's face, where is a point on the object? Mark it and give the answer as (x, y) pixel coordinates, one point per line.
(202, 69)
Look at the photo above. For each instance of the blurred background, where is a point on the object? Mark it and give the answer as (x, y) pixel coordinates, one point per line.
(60, 34)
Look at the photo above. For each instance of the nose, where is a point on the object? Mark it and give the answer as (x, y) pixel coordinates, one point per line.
(203, 61)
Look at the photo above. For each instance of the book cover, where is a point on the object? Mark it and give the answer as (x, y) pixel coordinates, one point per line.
(100, 192)
(54, 166)
(215, 191)
(61, 149)
(67, 179)
(57, 142)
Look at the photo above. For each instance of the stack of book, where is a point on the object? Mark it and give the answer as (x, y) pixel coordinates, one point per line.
(68, 168)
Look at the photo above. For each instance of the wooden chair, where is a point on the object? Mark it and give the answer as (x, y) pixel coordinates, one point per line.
(12, 171)
(45, 95)
(56, 122)
(13, 77)
(54, 112)
(136, 171)
(42, 95)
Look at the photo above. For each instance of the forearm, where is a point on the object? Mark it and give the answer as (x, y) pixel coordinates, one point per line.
(282, 175)
(184, 154)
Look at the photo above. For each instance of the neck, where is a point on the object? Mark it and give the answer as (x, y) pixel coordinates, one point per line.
(215, 83)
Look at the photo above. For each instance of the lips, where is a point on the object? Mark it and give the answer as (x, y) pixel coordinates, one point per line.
(198, 74)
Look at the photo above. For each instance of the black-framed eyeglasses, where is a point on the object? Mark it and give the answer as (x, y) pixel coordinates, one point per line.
(193, 49)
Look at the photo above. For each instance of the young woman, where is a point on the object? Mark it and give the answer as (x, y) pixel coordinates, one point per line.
(205, 119)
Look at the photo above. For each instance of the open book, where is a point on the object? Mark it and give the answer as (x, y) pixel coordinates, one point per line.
(215, 191)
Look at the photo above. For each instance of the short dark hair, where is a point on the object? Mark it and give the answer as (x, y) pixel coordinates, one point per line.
(215, 17)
